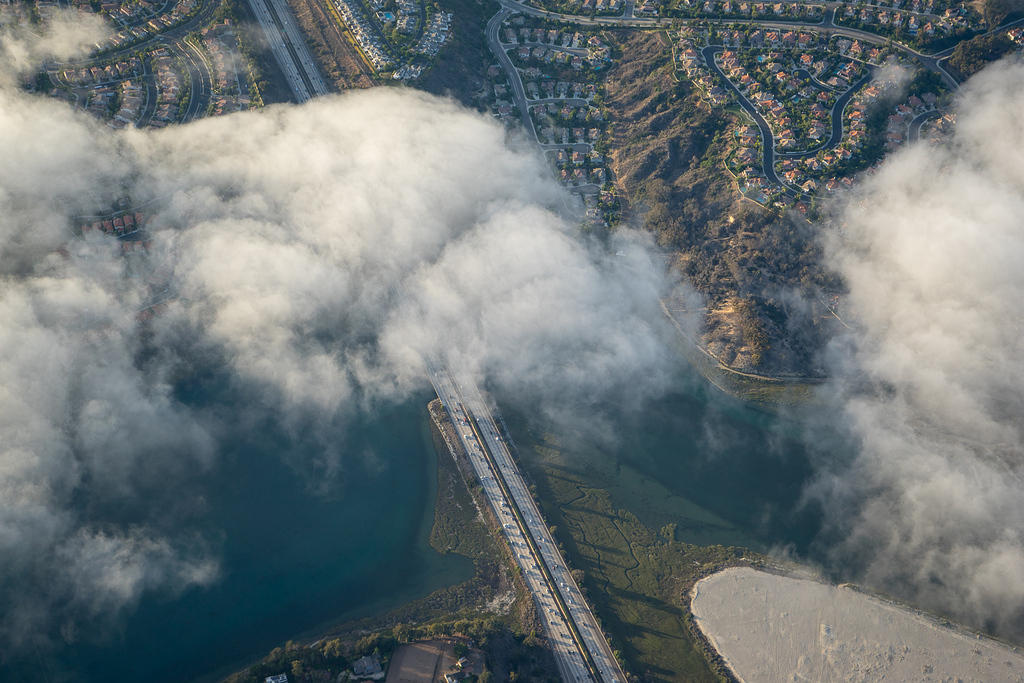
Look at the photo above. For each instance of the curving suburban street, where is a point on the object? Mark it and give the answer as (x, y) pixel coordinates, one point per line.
(767, 139)
(931, 61)
(200, 81)
(769, 153)
(493, 25)
(915, 125)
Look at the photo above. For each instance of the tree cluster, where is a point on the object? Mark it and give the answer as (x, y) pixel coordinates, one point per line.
(971, 56)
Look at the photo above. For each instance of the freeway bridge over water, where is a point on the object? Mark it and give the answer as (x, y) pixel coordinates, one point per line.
(581, 649)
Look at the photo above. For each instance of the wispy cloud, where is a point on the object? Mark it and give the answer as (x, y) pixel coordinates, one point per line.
(316, 255)
(931, 380)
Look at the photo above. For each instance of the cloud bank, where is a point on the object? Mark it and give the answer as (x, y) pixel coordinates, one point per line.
(932, 381)
(313, 257)
(66, 35)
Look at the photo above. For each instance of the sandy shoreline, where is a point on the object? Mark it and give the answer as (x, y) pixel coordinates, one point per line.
(772, 627)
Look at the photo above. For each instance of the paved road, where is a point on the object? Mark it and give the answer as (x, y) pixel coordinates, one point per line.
(576, 51)
(149, 107)
(918, 121)
(200, 79)
(518, 93)
(582, 147)
(814, 79)
(837, 111)
(289, 49)
(572, 101)
(560, 602)
(767, 139)
(298, 48)
(593, 638)
(568, 655)
(838, 126)
(931, 61)
(277, 46)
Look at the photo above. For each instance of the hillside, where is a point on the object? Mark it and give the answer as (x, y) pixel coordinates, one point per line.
(758, 270)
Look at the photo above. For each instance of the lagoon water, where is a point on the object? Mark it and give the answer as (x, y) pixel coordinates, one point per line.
(293, 559)
(744, 468)
(723, 472)
(298, 555)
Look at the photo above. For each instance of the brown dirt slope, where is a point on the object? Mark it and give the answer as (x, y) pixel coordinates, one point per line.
(756, 269)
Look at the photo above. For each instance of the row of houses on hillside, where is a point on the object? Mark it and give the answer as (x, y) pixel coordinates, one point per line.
(115, 71)
(435, 34)
(118, 224)
(365, 32)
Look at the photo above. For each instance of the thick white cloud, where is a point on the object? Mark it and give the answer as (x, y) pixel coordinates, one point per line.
(932, 248)
(64, 35)
(330, 248)
(81, 427)
(315, 255)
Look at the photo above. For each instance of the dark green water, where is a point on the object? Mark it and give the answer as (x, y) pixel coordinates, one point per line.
(722, 471)
(295, 560)
(292, 559)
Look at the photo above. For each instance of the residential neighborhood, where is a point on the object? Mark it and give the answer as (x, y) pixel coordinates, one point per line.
(367, 33)
(166, 63)
(692, 190)
(815, 98)
(812, 97)
(558, 72)
(392, 36)
(918, 22)
(136, 21)
(808, 100)
(153, 90)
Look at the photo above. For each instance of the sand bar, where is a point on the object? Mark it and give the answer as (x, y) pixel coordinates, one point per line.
(770, 627)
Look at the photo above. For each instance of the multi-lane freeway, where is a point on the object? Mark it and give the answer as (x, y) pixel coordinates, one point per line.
(581, 650)
(289, 49)
(298, 47)
(277, 46)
